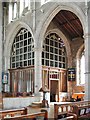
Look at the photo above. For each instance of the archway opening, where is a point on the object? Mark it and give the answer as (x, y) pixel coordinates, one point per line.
(69, 24)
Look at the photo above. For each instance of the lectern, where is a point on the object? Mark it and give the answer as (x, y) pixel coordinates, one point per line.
(44, 101)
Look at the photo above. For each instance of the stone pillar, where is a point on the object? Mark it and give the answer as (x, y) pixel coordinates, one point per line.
(1, 46)
(87, 54)
(34, 5)
(37, 4)
(87, 67)
(1, 102)
(38, 70)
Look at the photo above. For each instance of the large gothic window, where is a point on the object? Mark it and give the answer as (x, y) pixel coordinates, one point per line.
(22, 58)
(16, 8)
(54, 53)
(22, 53)
(81, 69)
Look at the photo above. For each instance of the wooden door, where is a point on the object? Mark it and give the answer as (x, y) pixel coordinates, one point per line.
(54, 90)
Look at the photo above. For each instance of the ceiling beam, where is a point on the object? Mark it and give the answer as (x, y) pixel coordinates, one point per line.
(70, 24)
(55, 20)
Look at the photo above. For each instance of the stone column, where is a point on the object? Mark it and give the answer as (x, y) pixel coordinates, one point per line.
(1, 102)
(87, 67)
(34, 6)
(38, 70)
(37, 4)
(1, 46)
(87, 54)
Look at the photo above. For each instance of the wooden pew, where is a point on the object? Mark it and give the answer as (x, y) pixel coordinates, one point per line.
(82, 103)
(13, 112)
(43, 115)
(71, 109)
(82, 111)
(64, 112)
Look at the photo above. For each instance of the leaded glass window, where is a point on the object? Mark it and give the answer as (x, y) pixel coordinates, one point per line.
(22, 49)
(54, 53)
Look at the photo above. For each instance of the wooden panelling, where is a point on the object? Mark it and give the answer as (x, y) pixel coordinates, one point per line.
(1, 101)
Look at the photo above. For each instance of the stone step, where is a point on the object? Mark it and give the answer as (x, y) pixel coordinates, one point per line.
(36, 103)
(35, 106)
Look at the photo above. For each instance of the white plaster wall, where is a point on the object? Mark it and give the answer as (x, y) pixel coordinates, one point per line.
(19, 102)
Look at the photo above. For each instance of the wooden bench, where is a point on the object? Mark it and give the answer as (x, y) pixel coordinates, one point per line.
(64, 112)
(72, 109)
(43, 115)
(13, 112)
(82, 103)
(82, 111)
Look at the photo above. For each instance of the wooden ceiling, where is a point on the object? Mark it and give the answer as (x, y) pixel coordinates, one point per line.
(69, 24)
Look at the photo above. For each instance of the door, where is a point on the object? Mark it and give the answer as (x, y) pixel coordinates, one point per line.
(54, 91)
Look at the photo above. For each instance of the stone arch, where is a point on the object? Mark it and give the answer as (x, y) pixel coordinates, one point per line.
(66, 42)
(9, 40)
(79, 51)
(54, 9)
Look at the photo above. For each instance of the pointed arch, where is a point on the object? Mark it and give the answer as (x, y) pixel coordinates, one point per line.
(54, 9)
(65, 41)
(10, 38)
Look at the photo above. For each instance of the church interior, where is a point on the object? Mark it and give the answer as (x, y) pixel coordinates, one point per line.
(44, 59)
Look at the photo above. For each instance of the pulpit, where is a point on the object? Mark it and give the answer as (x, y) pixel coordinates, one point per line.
(44, 101)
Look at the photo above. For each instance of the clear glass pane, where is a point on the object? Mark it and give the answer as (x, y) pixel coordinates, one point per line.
(17, 38)
(25, 49)
(25, 56)
(21, 57)
(25, 63)
(21, 37)
(29, 62)
(25, 42)
(21, 44)
(17, 52)
(47, 62)
(29, 55)
(47, 55)
(29, 48)
(13, 59)
(21, 49)
(29, 41)
(17, 58)
(17, 45)
(25, 35)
